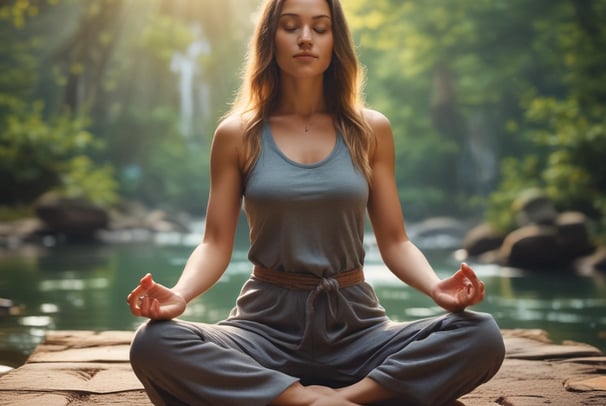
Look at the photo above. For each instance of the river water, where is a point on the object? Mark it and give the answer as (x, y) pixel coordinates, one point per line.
(75, 287)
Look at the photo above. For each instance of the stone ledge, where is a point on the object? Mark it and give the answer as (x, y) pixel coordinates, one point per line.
(86, 367)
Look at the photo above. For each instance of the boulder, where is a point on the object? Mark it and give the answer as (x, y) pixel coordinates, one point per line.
(14, 233)
(72, 217)
(545, 238)
(438, 233)
(482, 239)
(534, 207)
(134, 215)
(532, 246)
(540, 246)
(573, 235)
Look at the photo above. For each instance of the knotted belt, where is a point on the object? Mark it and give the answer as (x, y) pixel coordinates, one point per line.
(313, 283)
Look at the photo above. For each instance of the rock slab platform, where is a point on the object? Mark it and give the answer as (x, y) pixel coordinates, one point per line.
(92, 368)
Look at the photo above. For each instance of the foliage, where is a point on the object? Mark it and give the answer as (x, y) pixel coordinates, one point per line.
(138, 105)
(91, 102)
(568, 165)
(522, 80)
(39, 151)
(574, 174)
(448, 74)
(38, 154)
(10, 213)
(564, 125)
(519, 175)
(486, 98)
(168, 171)
(83, 178)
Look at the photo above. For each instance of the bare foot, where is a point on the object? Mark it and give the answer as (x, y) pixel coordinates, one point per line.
(328, 397)
(313, 395)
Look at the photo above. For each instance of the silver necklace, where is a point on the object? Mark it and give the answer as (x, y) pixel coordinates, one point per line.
(307, 125)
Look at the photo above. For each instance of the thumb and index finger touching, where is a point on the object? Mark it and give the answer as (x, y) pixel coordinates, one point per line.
(477, 286)
(145, 284)
(138, 294)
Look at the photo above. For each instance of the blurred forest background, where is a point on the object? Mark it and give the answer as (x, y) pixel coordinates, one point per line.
(114, 100)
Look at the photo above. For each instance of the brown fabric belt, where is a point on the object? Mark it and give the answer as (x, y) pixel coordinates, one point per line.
(305, 281)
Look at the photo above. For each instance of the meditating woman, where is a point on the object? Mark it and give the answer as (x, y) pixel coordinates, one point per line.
(310, 161)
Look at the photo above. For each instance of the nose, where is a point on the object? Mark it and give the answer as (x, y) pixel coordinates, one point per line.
(305, 39)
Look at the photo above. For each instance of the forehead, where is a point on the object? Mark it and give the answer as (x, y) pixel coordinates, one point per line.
(313, 8)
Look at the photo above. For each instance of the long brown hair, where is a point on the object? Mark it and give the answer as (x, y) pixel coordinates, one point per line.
(343, 82)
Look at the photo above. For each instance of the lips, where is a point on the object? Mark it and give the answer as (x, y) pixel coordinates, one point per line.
(305, 56)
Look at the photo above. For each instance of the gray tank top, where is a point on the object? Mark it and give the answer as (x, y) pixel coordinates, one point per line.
(305, 218)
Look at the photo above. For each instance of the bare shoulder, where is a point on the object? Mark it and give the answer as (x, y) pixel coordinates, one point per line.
(230, 129)
(379, 123)
(377, 120)
(228, 144)
(375, 117)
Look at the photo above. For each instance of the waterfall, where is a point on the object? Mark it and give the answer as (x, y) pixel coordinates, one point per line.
(191, 81)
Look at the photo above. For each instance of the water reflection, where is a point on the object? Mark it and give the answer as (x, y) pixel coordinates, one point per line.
(73, 284)
(49, 308)
(84, 287)
(36, 321)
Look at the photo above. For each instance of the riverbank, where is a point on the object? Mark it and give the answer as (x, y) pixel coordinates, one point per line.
(85, 367)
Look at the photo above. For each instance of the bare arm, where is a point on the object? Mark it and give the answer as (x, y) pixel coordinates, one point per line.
(400, 255)
(210, 258)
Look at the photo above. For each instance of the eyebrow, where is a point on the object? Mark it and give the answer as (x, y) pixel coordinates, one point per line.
(297, 15)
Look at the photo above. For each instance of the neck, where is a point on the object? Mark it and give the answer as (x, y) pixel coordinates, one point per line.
(302, 98)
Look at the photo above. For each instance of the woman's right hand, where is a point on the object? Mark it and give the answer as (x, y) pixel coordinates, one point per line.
(155, 301)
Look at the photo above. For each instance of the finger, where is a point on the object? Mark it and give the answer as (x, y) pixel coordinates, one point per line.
(135, 311)
(154, 309)
(136, 298)
(469, 291)
(468, 272)
(472, 277)
(147, 282)
(136, 292)
(464, 292)
(145, 305)
(475, 292)
(134, 304)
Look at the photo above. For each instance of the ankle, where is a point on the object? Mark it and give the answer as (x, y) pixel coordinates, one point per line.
(366, 391)
(294, 395)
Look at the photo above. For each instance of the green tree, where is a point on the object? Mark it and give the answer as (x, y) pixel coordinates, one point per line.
(39, 152)
(564, 124)
(521, 80)
(135, 104)
(448, 74)
(37, 155)
(103, 68)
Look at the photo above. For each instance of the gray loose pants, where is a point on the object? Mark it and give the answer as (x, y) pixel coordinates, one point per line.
(275, 337)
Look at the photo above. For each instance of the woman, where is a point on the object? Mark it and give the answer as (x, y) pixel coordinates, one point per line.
(309, 161)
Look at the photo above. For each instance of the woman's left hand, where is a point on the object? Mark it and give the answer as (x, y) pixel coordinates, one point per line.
(461, 290)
